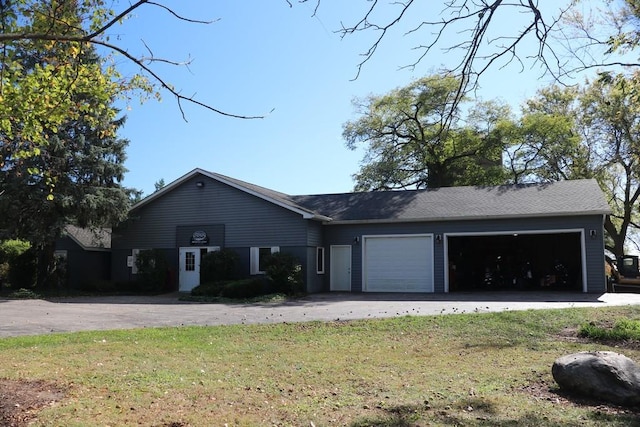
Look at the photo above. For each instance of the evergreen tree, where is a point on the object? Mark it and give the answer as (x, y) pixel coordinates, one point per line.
(75, 178)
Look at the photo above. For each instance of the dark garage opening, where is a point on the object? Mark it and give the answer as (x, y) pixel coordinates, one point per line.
(515, 262)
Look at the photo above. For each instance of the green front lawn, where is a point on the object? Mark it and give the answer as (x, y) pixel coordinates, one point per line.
(448, 370)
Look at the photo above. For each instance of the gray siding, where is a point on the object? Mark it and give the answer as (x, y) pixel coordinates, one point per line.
(315, 282)
(119, 270)
(232, 218)
(248, 220)
(314, 233)
(84, 267)
(594, 252)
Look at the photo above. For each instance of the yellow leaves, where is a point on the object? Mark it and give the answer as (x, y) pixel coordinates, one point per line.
(74, 50)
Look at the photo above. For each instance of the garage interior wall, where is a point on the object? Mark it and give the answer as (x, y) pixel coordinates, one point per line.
(515, 261)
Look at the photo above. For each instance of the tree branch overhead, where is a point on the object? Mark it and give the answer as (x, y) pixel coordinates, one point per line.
(98, 36)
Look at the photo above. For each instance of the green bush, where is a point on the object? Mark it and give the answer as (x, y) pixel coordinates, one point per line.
(9, 251)
(235, 289)
(153, 270)
(209, 289)
(22, 270)
(4, 274)
(284, 272)
(23, 293)
(242, 289)
(219, 265)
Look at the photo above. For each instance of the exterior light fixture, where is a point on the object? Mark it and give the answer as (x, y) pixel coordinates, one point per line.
(356, 240)
(438, 238)
(200, 184)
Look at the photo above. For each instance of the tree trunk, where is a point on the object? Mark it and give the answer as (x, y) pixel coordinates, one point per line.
(617, 238)
(46, 266)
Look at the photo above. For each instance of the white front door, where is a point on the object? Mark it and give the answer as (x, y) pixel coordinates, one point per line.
(340, 268)
(189, 265)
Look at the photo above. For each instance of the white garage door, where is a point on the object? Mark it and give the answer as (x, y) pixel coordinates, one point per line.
(398, 263)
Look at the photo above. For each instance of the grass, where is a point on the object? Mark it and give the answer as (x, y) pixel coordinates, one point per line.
(451, 370)
(622, 330)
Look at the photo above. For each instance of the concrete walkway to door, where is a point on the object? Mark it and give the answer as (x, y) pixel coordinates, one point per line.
(35, 317)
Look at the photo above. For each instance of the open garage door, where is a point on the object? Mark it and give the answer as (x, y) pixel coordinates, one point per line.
(398, 263)
(516, 261)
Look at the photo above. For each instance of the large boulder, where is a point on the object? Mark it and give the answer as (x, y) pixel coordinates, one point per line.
(601, 375)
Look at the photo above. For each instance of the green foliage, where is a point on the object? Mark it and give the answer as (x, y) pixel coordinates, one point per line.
(284, 272)
(22, 270)
(622, 330)
(62, 163)
(16, 263)
(11, 248)
(208, 289)
(591, 131)
(242, 289)
(219, 265)
(45, 78)
(410, 142)
(23, 293)
(82, 161)
(152, 270)
(159, 185)
(545, 143)
(233, 289)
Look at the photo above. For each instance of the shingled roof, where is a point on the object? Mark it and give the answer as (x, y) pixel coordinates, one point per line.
(89, 239)
(562, 198)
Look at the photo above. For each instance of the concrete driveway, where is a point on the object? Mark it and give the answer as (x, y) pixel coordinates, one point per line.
(35, 317)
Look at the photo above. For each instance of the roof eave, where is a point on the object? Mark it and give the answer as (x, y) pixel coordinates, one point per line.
(464, 218)
(304, 213)
(85, 247)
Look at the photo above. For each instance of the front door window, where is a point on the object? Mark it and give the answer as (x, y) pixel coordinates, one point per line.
(190, 261)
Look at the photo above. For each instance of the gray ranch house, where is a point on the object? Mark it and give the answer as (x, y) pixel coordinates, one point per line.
(542, 236)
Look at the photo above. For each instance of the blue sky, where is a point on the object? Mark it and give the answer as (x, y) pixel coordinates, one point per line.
(264, 58)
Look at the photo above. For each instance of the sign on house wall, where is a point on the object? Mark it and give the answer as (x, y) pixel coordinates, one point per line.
(199, 238)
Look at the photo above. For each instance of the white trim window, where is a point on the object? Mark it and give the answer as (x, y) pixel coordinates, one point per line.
(259, 256)
(134, 260)
(320, 260)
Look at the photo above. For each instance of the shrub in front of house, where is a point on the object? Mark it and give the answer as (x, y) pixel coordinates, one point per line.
(219, 265)
(208, 289)
(234, 289)
(284, 273)
(153, 270)
(242, 289)
(17, 264)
